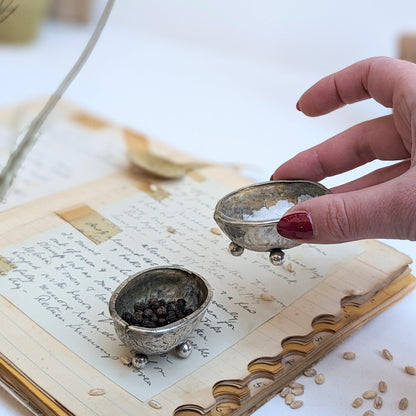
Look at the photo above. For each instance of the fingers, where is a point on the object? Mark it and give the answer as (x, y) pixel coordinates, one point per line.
(374, 178)
(375, 77)
(374, 139)
(381, 204)
(381, 211)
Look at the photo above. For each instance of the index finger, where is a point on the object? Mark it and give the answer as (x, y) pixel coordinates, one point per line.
(360, 144)
(371, 78)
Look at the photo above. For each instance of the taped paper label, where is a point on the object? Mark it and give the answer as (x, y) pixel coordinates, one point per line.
(92, 224)
(155, 191)
(6, 265)
(90, 121)
(196, 176)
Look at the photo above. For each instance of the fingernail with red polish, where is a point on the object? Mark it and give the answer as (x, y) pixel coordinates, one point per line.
(297, 226)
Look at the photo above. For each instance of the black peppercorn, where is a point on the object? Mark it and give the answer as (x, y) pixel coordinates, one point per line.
(162, 302)
(139, 306)
(188, 311)
(171, 306)
(127, 316)
(138, 317)
(161, 311)
(147, 313)
(157, 312)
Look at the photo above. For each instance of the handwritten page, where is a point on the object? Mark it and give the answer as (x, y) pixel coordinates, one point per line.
(65, 155)
(63, 280)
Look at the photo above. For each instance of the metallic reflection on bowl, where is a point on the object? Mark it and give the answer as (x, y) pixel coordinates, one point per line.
(232, 211)
(169, 283)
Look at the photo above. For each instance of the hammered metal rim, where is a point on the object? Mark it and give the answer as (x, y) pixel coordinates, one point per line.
(218, 213)
(139, 330)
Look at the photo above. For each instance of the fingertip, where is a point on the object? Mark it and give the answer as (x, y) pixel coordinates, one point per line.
(296, 226)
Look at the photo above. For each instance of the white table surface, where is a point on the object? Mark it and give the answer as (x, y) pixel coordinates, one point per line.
(220, 80)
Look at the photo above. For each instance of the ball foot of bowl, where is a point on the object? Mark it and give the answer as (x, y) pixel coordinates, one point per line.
(139, 360)
(235, 249)
(184, 349)
(277, 257)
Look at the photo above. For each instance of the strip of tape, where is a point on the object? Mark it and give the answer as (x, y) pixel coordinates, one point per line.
(89, 120)
(92, 224)
(6, 265)
(154, 190)
(196, 176)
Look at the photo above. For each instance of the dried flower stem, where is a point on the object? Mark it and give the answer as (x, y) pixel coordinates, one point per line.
(29, 139)
(6, 10)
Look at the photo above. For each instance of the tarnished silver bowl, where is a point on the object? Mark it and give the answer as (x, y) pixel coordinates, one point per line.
(249, 215)
(169, 283)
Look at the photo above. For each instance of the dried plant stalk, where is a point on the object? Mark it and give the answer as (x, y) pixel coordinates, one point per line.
(29, 139)
(6, 9)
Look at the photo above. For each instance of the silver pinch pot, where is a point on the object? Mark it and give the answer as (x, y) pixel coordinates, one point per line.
(261, 235)
(169, 283)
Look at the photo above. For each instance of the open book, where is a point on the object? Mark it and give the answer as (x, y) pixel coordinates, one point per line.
(63, 254)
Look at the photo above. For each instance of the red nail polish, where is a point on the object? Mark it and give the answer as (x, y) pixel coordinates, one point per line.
(298, 106)
(296, 226)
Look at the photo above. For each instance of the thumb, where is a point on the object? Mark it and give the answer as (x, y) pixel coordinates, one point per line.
(386, 210)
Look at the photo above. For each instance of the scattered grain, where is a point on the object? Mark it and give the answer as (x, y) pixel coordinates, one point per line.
(382, 386)
(368, 413)
(295, 384)
(309, 372)
(357, 402)
(266, 297)
(319, 378)
(285, 391)
(125, 360)
(171, 230)
(296, 404)
(355, 292)
(153, 187)
(155, 404)
(298, 391)
(96, 392)
(403, 403)
(378, 402)
(216, 231)
(349, 355)
(387, 354)
(370, 394)
(290, 398)
(410, 370)
(290, 268)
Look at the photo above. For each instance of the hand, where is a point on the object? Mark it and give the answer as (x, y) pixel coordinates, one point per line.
(381, 204)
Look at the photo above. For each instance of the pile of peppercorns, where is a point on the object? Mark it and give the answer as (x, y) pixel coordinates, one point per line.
(157, 312)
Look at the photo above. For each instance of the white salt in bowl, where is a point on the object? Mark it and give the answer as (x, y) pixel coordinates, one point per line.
(249, 215)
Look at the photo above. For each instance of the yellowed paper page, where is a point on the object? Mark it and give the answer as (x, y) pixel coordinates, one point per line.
(63, 280)
(67, 153)
(60, 334)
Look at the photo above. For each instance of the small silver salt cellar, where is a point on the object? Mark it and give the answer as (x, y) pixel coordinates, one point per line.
(162, 282)
(248, 216)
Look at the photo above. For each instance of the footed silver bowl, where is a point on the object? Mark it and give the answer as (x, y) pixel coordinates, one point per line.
(169, 283)
(249, 215)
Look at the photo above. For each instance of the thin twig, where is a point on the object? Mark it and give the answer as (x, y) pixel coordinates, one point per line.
(29, 139)
(6, 11)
